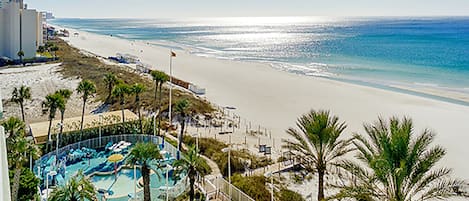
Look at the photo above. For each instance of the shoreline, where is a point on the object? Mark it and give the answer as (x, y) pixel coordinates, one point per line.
(276, 99)
(446, 94)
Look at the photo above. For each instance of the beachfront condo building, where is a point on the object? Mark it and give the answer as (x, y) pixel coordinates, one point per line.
(20, 29)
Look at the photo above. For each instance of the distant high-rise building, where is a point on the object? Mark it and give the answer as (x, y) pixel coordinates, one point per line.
(20, 29)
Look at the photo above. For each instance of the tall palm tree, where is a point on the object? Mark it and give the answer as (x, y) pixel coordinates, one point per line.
(182, 108)
(52, 103)
(137, 89)
(78, 188)
(143, 154)
(65, 93)
(87, 89)
(19, 96)
(163, 79)
(317, 142)
(398, 165)
(192, 164)
(110, 80)
(160, 78)
(120, 91)
(18, 146)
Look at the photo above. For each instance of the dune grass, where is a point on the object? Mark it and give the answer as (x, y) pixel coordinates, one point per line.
(79, 65)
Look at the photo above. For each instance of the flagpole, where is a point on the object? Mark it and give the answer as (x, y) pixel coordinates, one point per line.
(170, 84)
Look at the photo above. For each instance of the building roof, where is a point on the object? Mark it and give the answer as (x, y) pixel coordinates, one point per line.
(39, 130)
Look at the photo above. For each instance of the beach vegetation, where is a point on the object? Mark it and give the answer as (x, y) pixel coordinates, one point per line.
(317, 141)
(19, 149)
(182, 108)
(212, 149)
(120, 92)
(66, 94)
(397, 164)
(110, 81)
(137, 89)
(87, 89)
(19, 96)
(143, 154)
(288, 195)
(77, 64)
(28, 184)
(193, 165)
(52, 103)
(160, 78)
(254, 186)
(77, 188)
(54, 49)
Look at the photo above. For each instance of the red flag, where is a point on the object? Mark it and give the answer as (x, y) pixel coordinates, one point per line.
(173, 54)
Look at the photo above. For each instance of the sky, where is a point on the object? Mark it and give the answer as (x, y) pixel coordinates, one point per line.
(248, 8)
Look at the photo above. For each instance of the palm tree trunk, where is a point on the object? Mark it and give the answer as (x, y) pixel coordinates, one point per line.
(137, 100)
(321, 185)
(82, 118)
(22, 111)
(191, 191)
(156, 91)
(146, 183)
(16, 183)
(181, 136)
(48, 136)
(109, 88)
(159, 108)
(62, 113)
(122, 108)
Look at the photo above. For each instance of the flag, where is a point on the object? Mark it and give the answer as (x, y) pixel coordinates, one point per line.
(173, 54)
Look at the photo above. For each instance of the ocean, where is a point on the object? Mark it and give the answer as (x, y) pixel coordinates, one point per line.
(385, 52)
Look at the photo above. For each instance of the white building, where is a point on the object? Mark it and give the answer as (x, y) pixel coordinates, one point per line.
(20, 29)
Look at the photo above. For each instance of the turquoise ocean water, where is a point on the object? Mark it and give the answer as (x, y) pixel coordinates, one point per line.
(410, 52)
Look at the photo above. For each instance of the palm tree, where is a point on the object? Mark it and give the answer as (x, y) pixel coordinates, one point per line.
(120, 91)
(17, 148)
(13, 126)
(65, 93)
(19, 96)
(21, 55)
(182, 107)
(53, 102)
(137, 89)
(317, 143)
(160, 78)
(143, 154)
(87, 89)
(110, 80)
(396, 165)
(78, 188)
(192, 164)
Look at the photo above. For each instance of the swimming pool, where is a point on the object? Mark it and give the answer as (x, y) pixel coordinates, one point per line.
(94, 164)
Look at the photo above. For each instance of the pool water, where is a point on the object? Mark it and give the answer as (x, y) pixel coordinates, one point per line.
(120, 187)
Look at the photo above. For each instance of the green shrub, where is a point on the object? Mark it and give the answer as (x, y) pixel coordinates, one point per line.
(254, 186)
(28, 184)
(289, 195)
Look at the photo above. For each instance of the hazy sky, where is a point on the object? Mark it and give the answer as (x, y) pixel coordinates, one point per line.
(236, 8)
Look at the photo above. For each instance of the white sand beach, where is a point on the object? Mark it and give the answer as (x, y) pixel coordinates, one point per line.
(275, 99)
(43, 79)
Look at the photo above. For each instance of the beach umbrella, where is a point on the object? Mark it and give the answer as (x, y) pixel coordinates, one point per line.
(114, 158)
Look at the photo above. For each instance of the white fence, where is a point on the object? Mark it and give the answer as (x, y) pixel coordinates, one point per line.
(224, 190)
